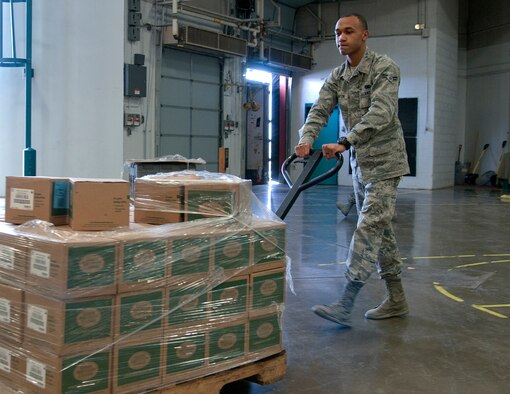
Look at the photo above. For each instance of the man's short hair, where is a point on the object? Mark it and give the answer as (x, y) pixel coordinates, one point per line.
(360, 17)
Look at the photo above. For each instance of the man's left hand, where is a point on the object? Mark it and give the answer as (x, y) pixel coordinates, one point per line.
(330, 150)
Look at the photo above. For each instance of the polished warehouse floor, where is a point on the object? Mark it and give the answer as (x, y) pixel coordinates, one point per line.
(455, 246)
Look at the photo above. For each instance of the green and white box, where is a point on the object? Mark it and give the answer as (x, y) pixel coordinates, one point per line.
(140, 314)
(67, 326)
(227, 342)
(230, 298)
(268, 289)
(137, 366)
(185, 354)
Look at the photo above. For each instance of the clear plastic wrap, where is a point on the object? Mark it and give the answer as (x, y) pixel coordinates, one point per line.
(146, 306)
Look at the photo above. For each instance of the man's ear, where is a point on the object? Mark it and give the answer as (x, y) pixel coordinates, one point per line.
(364, 36)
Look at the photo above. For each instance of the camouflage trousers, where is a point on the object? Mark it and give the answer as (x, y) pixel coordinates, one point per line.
(373, 244)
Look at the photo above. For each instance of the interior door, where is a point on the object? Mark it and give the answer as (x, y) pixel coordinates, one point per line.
(328, 134)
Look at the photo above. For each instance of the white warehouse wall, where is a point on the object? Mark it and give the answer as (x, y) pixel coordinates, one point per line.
(414, 56)
(77, 92)
(488, 104)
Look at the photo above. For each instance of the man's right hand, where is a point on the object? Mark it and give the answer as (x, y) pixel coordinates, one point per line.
(303, 150)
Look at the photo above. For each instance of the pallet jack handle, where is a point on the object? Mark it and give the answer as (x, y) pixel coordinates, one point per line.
(303, 181)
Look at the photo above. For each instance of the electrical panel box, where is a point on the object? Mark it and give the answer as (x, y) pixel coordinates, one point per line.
(134, 18)
(134, 5)
(135, 80)
(133, 33)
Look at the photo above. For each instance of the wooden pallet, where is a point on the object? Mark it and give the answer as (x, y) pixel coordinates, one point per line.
(266, 371)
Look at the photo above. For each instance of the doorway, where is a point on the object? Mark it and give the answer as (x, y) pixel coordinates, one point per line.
(266, 105)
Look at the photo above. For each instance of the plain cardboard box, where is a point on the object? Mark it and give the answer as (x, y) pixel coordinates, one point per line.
(13, 255)
(83, 372)
(36, 197)
(64, 327)
(158, 200)
(143, 258)
(267, 290)
(11, 313)
(98, 204)
(137, 366)
(11, 366)
(140, 314)
(67, 264)
(269, 245)
(185, 354)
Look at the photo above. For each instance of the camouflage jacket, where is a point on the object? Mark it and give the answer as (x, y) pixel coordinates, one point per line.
(368, 99)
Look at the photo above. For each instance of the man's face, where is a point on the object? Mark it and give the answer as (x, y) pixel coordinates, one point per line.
(350, 35)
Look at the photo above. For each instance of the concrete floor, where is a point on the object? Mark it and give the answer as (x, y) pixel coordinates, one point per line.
(455, 245)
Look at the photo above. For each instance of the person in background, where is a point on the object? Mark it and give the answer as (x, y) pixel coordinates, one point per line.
(365, 87)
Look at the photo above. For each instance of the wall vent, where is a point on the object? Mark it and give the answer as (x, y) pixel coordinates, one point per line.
(279, 57)
(206, 39)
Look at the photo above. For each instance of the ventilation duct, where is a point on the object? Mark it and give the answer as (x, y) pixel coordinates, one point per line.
(288, 59)
(206, 39)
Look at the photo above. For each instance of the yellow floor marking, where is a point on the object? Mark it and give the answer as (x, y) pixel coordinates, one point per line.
(496, 255)
(480, 263)
(463, 256)
(326, 264)
(444, 292)
(485, 308)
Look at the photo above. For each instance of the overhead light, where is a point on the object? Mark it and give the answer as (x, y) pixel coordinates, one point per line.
(419, 26)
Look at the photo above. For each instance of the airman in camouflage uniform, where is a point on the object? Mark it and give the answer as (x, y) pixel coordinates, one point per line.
(365, 87)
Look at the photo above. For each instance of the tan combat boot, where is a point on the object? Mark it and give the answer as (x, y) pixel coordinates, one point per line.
(394, 304)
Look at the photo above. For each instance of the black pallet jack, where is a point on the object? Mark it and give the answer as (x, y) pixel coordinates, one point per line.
(303, 181)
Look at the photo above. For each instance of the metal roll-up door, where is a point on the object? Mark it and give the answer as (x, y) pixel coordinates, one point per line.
(190, 99)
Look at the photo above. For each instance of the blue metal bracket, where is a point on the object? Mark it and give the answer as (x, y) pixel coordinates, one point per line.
(29, 154)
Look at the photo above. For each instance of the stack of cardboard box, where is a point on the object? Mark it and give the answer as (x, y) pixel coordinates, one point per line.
(139, 306)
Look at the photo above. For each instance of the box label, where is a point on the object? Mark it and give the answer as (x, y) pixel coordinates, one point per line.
(5, 310)
(60, 203)
(22, 199)
(37, 318)
(88, 320)
(82, 375)
(40, 264)
(36, 373)
(5, 360)
(91, 266)
(6, 257)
